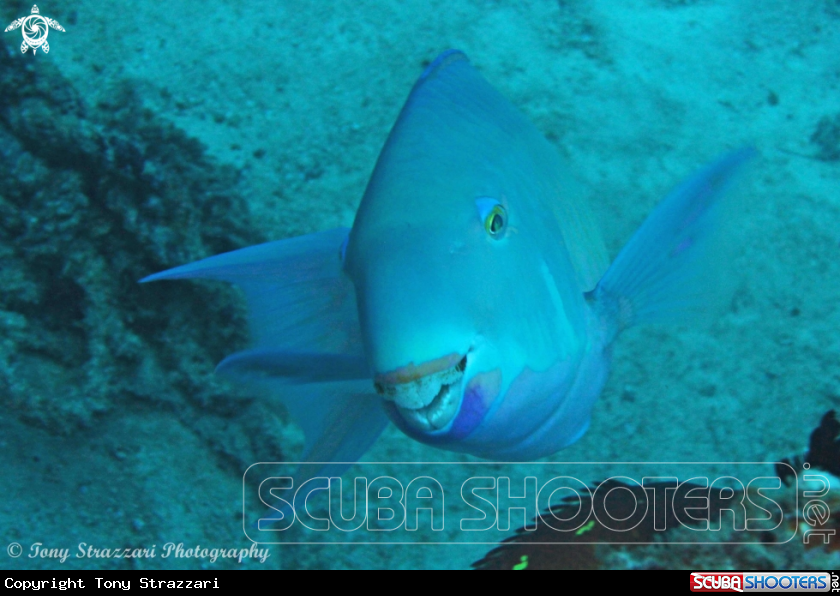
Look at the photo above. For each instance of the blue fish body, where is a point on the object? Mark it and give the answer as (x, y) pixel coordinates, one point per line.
(472, 302)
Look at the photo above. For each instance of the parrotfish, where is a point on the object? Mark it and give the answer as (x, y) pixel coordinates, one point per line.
(472, 302)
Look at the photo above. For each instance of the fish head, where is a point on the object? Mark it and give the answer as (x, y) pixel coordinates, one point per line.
(462, 280)
(445, 297)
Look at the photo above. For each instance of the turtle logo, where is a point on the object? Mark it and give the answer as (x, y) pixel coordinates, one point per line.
(34, 29)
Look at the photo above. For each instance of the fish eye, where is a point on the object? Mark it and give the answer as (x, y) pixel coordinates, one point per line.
(495, 221)
(494, 216)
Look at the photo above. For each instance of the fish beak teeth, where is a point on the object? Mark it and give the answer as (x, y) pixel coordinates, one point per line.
(438, 414)
(430, 402)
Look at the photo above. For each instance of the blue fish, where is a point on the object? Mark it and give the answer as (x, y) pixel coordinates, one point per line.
(472, 302)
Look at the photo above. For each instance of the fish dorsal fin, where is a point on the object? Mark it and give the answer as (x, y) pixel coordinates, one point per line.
(457, 135)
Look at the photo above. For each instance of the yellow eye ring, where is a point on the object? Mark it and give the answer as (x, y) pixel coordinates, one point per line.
(496, 221)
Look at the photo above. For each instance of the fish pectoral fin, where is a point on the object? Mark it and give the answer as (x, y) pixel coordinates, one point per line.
(299, 299)
(672, 269)
(330, 396)
(294, 367)
(340, 422)
(308, 350)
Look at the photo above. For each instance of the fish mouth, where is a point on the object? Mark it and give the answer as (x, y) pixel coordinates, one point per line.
(426, 396)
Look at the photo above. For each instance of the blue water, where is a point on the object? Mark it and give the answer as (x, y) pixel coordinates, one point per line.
(150, 137)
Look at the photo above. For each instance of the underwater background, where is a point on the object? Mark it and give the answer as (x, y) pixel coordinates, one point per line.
(154, 134)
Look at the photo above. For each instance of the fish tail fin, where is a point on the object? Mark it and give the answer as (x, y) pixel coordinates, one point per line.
(672, 269)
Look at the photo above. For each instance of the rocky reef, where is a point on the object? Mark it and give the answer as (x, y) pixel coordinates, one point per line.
(94, 197)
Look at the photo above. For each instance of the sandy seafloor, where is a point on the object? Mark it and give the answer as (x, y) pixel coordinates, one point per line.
(299, 97)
